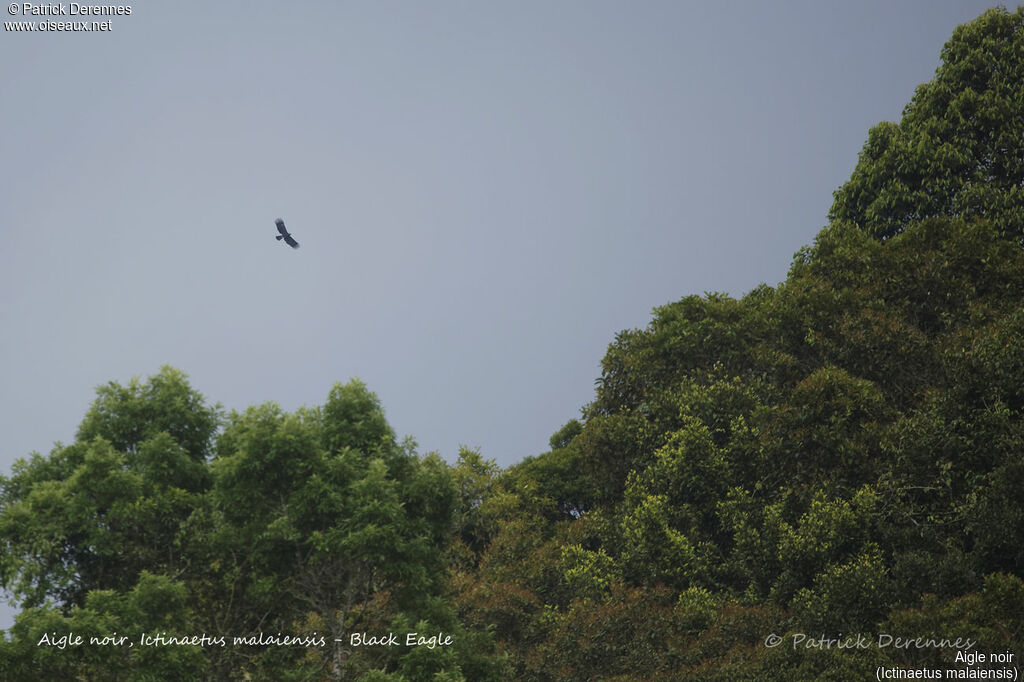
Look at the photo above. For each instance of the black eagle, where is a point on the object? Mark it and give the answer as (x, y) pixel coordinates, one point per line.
(288, 239)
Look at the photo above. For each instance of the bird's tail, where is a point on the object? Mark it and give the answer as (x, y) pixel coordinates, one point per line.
(279, 237)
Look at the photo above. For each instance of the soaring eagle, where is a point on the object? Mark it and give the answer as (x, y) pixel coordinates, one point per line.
(288, 239)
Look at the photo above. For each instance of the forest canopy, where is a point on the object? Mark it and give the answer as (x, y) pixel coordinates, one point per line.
(840, 455)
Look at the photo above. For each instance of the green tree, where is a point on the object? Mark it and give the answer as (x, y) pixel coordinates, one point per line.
(330, 523)
(312, 523)
(840, 453)
(118, 621)
(959, 149)
(96, 513)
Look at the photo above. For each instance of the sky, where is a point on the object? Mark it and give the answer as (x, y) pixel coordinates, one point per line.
(485, 193)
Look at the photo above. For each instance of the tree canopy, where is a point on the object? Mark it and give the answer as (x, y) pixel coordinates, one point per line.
(167, 518)
(958, 151)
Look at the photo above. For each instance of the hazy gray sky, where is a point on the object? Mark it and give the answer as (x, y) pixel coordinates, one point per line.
(485, 193)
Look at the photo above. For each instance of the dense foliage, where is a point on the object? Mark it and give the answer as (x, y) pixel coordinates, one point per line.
(959, 150)
(841, 455)
(154, 523)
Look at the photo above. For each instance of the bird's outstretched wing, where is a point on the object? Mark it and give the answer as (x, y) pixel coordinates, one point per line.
(288, 239)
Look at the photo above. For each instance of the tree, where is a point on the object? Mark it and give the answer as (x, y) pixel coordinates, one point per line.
(94, 514)
(315, 524)
(841, 453)
(959, 149)
(330, 524)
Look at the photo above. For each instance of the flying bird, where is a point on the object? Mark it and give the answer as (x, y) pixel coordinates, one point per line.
(288, 239)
